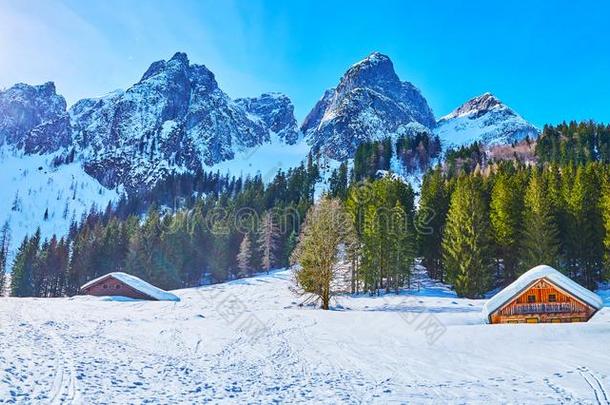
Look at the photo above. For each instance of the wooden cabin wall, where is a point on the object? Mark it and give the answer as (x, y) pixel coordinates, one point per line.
(565, 308)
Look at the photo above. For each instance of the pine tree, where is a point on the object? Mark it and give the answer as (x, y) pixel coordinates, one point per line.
(40, 275)
(382, 214)
(244, 257)
(176, 247)
(290, 244)
(430, 222)
(24, 267)
(541, 243)
(338, 182)
(221, 258)
(268, 241)
(403, 249)
(585, 238)
(467, 241)
(16, 205)
(506, 207)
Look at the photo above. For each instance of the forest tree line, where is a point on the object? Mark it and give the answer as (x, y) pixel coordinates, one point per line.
(477, 226)
(489, 226)
(365, 242)
(574, 142)
(481, 223)
(245, 227)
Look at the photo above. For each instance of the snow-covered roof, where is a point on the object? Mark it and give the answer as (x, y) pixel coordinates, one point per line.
(138, 284)
(531, 276)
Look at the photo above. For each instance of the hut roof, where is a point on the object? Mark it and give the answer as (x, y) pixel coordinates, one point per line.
(531, 276)
(138, 284)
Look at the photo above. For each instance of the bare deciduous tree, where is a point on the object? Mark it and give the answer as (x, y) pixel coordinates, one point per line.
(327, 238)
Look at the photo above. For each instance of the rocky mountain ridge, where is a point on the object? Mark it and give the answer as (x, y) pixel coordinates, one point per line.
(34, 118)
(369, 103)
(176, 118)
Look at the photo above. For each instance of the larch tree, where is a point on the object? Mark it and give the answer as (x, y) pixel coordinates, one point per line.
(268, 241)
(5, 240)
(605, 208)
(244, 257)
(327, 234)
(467, 241)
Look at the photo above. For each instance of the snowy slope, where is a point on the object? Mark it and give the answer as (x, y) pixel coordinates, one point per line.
(248, 341)
(264, 159)
(32, 181)
(485, 119)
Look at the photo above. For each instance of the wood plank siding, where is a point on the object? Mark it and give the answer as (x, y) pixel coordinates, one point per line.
(543, 302)
(110, 286)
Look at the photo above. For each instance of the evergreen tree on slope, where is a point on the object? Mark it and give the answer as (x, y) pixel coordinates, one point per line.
(506, 208)
(430, 221)
(24, 267)
(467, 241)
(540, 244)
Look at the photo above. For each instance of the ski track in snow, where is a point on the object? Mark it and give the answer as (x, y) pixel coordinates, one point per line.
(89, 350)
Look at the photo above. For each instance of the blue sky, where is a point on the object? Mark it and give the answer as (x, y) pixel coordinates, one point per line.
(550, 61)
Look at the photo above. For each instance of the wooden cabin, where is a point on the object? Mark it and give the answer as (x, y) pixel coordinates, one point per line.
(120, 284)
(542, 295)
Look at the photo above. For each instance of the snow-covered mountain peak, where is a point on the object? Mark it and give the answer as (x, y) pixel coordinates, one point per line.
(376, 71)
(376, 60)
(180, 57)
(176, 118)
(275, 112)
(369, 103)
(177, 64)
(476, 106)
(34, 118)
(485, 119)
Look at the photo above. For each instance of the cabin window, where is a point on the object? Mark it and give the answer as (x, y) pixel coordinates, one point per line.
(552, 298)
(531, 298)
(117, 286)
(105, 286)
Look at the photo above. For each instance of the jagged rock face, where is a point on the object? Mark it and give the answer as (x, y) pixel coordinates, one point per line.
(175, 117)
(484, 119)
(370, 103)
(34, 118)
(276, 112)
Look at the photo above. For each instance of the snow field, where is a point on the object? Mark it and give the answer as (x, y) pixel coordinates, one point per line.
(249, 341)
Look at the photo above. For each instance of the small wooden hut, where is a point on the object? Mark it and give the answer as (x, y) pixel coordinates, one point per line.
(542, 294)
(120, 284)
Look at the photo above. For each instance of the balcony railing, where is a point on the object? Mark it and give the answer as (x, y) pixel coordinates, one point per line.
(552, 308)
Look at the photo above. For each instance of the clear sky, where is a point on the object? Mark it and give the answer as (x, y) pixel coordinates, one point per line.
(549, 60)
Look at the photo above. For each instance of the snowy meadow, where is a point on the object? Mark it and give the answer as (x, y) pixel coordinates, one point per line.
(249, 341)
